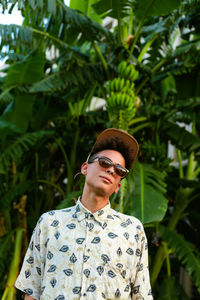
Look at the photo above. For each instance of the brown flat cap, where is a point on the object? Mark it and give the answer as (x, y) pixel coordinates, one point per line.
(119, 140)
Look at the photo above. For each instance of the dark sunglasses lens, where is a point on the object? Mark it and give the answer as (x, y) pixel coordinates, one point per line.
(104, 163)
(120, 171)
(107, 164)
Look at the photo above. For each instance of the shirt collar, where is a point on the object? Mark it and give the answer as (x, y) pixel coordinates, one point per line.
(100, 216)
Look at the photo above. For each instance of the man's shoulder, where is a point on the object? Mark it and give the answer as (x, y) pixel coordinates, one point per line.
(56, 215)
(127, 219)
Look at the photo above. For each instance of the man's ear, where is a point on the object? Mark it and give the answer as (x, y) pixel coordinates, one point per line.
(84, 168)
(117, 188)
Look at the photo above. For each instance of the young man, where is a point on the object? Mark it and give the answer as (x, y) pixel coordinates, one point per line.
(90, 251)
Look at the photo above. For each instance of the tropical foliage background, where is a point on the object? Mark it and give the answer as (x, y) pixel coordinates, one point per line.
(145, 70)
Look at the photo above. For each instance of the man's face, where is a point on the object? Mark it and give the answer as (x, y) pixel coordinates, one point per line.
(103, 182)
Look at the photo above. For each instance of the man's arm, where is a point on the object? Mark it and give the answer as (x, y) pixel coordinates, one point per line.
(27, 297)
(141, 286)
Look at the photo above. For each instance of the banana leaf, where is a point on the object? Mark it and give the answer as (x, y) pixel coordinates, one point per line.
(146, 194)
(86, 7)
(186, 252)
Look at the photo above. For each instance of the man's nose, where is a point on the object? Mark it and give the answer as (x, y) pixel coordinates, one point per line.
(110, 170)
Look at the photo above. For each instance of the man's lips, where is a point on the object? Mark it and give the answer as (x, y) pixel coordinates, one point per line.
(106, 179)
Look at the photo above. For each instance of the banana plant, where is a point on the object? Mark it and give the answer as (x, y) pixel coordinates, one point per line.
(156, 43)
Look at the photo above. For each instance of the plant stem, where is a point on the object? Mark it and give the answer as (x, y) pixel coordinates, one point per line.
(51, 37)
(141, 24)
(57, 187)
(137, 120)
(9, 292)
(120, 29)
(158, 66)
(145, 48)
(158, 262)
(130, 29)
(69, 170)
(104, 63)
(167, 258)
(147, 124)
(181, 175)
(136, 36)
(142, 192)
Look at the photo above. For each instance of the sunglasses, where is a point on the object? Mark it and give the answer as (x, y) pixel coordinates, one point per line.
(106, 163)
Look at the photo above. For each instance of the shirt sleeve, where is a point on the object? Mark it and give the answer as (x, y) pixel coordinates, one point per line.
(29, 279)
(141, 288)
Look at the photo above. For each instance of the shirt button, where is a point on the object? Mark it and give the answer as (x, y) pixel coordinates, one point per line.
(88, 250)
(84, 295)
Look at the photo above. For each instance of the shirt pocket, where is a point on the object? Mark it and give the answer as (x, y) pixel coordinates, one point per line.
(115, 283)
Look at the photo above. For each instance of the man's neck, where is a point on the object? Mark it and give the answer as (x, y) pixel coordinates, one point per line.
(93, 202)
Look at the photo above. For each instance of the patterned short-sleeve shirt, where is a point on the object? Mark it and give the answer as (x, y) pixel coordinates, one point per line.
(75, 254)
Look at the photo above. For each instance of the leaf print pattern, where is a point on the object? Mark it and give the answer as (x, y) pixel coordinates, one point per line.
(57, 234)
(64, 248)
(105, 258)
(123, 273)
(55, 223)
(78, 254)
(126, 235)
(60, 297)
(86, 272)
(127, 288)
(37, 247)
(112, 235)
(91, 288)
(38, 270)
(119, 251)
(31, 246)
(85, 258)
(73, 258)
(68, 272)
(130, 251)
(27, 273)
(117, 293)
(111, 274)
(28, 291)
(71, 226)
(52, 268)
(53, 282)
(46, 243)
(51, 213)
(119, 265)
(30, 260)
(100, 270)
(76, 290)
(49, 255)
(96, 240)
(80, 241)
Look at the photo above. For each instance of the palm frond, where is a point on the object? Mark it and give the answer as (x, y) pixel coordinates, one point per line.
(183, 139)
(15, 35)
(21, 145)
(85, 75)
(6, 96)
(28, 71)
(66, 20)
(186, 253)
(8, 129)
(14, 192)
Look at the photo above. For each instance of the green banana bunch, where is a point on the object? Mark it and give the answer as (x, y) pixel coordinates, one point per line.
(121, 99)
(127, 71)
